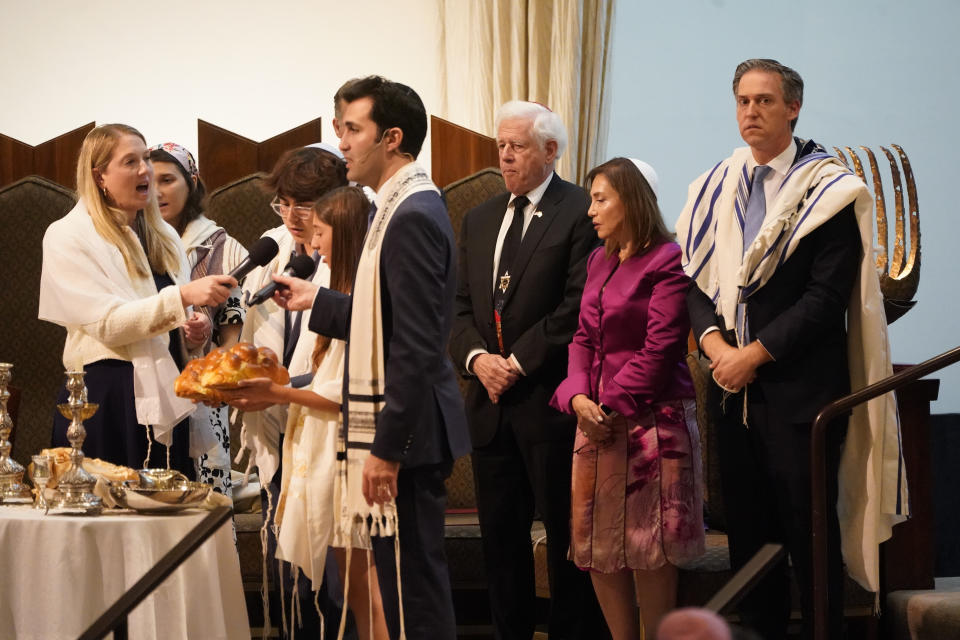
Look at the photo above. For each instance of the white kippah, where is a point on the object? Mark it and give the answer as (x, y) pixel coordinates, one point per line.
(648, 173)
(329, 148)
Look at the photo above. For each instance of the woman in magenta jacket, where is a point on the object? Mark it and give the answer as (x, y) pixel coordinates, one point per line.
(636, 494)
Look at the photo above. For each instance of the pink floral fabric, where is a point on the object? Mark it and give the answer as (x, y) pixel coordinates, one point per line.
(637, 501)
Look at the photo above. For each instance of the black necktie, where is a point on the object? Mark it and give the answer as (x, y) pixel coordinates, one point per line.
(509, 251)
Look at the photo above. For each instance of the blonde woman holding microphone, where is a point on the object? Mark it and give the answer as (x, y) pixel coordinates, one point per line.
(116, 277)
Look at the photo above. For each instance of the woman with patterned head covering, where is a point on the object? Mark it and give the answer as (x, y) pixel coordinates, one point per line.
(180, 197)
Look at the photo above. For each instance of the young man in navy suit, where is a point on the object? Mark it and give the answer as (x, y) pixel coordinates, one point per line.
(421, 428)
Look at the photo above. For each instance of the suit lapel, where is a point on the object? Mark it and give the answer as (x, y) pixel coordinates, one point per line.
(547, 208)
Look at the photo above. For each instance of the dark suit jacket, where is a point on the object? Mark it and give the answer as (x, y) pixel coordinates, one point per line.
(422, 421)
(799, 316)
(540, 312)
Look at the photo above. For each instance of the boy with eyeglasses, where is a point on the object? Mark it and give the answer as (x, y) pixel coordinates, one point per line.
(300, 177)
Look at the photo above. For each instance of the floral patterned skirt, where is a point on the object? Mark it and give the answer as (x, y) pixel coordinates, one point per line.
(637, 501)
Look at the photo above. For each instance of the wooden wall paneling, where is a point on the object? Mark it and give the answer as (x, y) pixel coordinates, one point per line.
(457, 152)
(16, 160)
(225, 156)
(55, 159)
(271, 149)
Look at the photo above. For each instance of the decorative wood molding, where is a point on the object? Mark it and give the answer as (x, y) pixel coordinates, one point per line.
(457, 152)
(225, 156)
(55, 159)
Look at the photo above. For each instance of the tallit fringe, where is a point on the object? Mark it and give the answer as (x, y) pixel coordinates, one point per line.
(365, 527)
(346, 591)
(264, 594)
(296, 620)
(369, 597)
(146, 462)
(283, 602)
(323, 621)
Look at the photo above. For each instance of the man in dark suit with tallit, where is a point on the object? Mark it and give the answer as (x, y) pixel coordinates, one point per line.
(785, 301)
(522, 268)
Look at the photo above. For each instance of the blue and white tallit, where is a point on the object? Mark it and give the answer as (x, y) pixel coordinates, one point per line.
(873, 488)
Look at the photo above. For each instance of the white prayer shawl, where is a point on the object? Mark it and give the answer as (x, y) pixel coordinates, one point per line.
(196, 234)
(306, 512)
(873, 488)
(82, 279)
(366, 382)
(264, 327)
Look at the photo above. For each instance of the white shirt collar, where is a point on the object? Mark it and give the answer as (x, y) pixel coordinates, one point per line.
(781, 164)
(534, 195)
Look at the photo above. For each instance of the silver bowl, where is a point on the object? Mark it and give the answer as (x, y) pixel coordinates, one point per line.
(161, 478)
(184, 495)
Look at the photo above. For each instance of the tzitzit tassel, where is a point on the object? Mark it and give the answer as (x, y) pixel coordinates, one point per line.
(264, 593)
(396, 551)
(146, 462)
(346, 590)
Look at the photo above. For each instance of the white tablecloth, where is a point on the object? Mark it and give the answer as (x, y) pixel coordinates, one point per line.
(60, 573)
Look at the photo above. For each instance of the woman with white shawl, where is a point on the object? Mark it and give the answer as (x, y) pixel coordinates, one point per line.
(115, 276)
(210, 250)
(314, 484)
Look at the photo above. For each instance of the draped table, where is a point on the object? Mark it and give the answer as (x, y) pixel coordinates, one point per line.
(59, 573)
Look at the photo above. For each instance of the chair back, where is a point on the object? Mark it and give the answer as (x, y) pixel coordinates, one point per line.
(709, 444)
(34, 347)
(467, 193)
(242, 207)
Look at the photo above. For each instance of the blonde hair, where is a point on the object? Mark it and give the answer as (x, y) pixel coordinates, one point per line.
(160, 254)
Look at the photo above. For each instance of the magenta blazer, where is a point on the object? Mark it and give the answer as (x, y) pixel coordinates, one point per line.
(632, 334)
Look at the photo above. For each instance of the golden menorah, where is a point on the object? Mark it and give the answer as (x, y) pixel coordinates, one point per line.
(899, 273)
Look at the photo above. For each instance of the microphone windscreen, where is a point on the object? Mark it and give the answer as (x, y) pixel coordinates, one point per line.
(263, 250)
(302, 267)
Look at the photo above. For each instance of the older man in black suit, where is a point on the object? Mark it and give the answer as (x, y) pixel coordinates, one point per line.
(522, 268)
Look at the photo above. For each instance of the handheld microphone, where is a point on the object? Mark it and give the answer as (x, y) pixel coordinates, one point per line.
(261, 252)
(300, 267)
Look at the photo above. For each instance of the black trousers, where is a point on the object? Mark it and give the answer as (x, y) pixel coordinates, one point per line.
(427, 596)
(765, 473)
(516, 477)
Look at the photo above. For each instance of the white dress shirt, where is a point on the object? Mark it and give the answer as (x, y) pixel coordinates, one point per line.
(534, 196)
(771, 183)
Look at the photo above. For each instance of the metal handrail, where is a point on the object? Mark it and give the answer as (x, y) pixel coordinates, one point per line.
(818, 471)
(746, 578)
(115, 617)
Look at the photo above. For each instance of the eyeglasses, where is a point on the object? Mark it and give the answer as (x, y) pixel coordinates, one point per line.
(299, 211)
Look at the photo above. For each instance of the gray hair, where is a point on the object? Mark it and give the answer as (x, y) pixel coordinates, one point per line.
(545, 124)
(790, 81)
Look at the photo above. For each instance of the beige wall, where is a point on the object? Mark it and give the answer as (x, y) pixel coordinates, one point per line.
(255, 68)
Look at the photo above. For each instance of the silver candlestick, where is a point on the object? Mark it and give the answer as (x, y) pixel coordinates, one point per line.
(12, 488)
(75, 486)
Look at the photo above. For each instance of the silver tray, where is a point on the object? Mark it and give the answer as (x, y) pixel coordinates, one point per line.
(147, 500)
